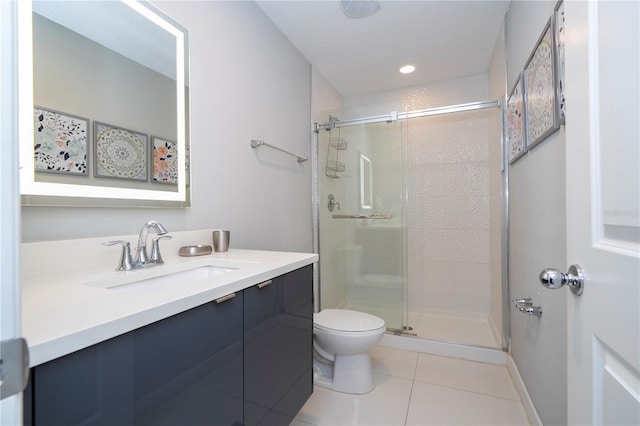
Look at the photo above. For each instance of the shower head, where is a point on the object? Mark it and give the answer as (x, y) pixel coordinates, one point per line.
(356, 9)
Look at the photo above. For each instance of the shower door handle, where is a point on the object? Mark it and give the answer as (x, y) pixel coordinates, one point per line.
(332, 203)
(554, 279)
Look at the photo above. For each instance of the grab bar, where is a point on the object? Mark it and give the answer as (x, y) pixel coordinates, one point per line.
(361, 216)
(256, 143)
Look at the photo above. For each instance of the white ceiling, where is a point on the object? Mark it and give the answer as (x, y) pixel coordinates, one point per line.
(443, 39)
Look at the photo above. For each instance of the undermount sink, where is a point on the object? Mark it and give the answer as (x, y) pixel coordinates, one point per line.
(158, 275)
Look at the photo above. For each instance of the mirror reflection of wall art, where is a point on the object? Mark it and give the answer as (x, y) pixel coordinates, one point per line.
(119, 153)
(165, 161)
(540, 90)
(60, 142)
(516, 122)
(560, 32)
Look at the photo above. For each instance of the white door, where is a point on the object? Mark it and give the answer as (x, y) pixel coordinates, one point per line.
(603, 201)
(10, 408)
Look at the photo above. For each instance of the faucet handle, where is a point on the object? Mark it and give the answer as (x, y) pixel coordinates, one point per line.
(156, 257)
(125, 258)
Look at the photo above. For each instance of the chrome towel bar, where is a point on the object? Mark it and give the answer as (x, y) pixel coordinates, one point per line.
(256, 143)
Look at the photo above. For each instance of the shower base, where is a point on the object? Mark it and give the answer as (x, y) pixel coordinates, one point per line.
(458, 327)
(464, 328)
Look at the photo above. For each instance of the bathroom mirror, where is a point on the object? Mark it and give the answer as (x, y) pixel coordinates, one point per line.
(366, 189)
(108, 124)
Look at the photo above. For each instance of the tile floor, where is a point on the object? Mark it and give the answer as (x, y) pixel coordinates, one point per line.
(421, 389)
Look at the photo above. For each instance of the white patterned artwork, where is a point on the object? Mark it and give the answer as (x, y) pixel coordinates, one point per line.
(540, 90)
(560, 31)
(120, 153)
(515, 123)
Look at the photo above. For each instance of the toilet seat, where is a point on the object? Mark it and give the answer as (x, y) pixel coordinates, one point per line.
(346, 321)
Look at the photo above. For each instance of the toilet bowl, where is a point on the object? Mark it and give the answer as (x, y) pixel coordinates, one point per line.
(341, 341)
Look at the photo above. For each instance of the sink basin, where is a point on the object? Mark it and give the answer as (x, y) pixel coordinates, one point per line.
(158, 275)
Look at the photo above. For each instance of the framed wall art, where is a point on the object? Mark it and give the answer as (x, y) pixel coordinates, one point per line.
(60, 142)
(540, 90)
(516, 122)
(119, 153)
(165, 161)
(560, 33)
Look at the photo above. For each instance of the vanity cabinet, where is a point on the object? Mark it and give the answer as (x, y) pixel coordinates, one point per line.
(278, 342)
(244, 360)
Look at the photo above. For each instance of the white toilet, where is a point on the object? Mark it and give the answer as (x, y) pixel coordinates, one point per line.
(341, 342)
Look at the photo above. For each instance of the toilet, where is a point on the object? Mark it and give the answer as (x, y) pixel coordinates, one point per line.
(341, 341)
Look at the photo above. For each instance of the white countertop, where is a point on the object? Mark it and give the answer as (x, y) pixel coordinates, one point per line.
(63, 311)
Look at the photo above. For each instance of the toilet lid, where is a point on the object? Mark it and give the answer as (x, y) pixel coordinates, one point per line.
(346, 320)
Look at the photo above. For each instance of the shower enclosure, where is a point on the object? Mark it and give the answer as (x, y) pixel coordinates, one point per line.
(409, 220)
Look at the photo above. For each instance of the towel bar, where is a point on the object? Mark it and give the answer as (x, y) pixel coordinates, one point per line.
(256, 143)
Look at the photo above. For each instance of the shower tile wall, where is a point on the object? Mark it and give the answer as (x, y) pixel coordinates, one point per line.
(448, 198)
(448, 219)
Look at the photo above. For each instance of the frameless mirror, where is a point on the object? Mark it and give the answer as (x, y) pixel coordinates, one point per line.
(366, 189)
(108, 125)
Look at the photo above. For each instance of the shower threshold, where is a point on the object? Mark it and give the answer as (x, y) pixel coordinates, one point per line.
(401, 332)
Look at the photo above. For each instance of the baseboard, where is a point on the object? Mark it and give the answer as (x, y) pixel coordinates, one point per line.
(529, 408)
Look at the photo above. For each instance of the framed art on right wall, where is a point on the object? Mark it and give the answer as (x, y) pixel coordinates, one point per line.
(540, 89)
(560, 31)
(516, 122)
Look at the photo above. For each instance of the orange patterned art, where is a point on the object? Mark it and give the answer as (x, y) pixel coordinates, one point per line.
(165, 161)
(515, 123)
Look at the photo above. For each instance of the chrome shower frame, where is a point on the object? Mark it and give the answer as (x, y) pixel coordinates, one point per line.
(390, 118)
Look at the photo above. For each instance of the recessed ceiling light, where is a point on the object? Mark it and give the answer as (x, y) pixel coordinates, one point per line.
(407, 69)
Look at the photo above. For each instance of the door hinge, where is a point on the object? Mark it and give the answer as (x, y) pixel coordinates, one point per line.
(14, 366)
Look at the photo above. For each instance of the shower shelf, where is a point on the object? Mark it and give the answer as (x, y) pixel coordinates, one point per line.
(336, 166)
(338, 143)
(361, 216)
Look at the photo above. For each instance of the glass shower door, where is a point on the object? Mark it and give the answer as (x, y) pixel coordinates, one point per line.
(361, 220)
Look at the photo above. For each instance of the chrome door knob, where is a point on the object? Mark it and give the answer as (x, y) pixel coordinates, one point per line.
(554, 279)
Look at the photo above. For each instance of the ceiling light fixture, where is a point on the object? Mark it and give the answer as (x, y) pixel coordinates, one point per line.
(357, 9)
(407, 69)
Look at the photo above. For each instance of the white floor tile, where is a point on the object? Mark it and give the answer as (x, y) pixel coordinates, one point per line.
(298, 422)
(386, 405)
(421, 389)
(489, 379)
(437, 405)
(394, 362)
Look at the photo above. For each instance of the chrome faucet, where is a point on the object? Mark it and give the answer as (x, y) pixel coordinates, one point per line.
(141, 251)
(142, 259)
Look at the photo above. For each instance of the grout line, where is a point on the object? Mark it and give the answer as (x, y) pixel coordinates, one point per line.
(406, 413)
(470, 391)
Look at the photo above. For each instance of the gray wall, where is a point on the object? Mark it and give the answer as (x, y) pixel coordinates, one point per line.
(537, 238)
(247, 82)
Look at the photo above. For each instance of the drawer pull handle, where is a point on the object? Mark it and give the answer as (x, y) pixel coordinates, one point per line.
(264, 284)
(225, 298)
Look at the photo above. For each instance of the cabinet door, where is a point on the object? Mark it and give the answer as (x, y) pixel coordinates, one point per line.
(278, 359)
(88, 387)
(183, 370)
(188, 368)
